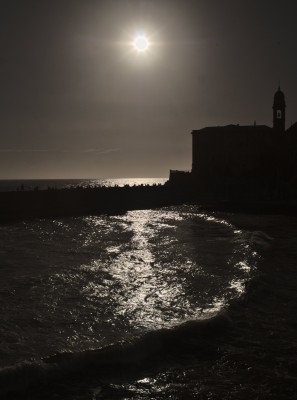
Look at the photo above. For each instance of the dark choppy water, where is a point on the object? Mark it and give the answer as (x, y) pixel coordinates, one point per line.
(121, 295)
(80, 283)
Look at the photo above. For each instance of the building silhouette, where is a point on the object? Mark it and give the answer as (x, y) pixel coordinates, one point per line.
(243, 162)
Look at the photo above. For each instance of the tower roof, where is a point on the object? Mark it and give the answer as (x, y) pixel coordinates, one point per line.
(279, 97)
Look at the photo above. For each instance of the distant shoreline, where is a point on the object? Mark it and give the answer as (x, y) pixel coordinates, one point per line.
(7, 185)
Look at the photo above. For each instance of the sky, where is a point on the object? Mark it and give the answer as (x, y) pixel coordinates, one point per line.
(77, 101)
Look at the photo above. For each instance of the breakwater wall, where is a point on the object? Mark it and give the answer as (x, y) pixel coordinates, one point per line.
(77, 201)
(54, 203)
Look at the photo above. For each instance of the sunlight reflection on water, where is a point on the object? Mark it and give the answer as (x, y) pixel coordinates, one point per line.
(158, 278)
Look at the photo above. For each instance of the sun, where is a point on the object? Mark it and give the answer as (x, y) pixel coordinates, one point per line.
(141, 43)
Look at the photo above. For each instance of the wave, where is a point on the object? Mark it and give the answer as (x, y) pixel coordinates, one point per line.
(157, 348)
(188, 342)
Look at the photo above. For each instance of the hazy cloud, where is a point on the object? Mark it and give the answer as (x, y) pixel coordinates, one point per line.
(23, 151)
(99, 151)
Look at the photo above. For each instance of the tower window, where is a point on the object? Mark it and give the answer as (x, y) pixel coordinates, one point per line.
(278, 114)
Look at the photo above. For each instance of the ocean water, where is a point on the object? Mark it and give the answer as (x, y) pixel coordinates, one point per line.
(44, 184)
(165, 303)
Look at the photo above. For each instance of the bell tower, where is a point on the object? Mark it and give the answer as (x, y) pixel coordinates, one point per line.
(279, 111)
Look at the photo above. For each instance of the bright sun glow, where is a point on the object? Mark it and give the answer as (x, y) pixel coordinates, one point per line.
(141, 43)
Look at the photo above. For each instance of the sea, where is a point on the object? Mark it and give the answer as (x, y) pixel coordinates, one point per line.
(167, 303)
(44, 184)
